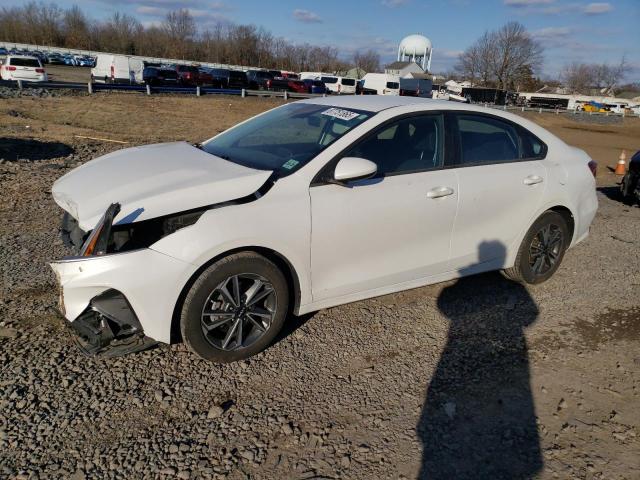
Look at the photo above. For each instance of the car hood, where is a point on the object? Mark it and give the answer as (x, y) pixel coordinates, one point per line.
(152, 181)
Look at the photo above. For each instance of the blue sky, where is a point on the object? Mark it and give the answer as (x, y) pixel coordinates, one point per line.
(569, 30)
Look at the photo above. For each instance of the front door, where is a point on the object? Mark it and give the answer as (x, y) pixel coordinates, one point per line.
(390, 229)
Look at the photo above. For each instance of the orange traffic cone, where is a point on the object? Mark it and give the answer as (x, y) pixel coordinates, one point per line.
(621, 167)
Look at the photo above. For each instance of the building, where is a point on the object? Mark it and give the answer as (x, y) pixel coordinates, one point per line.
(403, 69)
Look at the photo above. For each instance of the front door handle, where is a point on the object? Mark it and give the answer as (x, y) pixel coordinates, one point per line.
(439, 192)
(532, 179)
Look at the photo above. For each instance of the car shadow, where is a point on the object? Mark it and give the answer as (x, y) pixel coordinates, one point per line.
(291, 324)
(478, 420)
(14, 149)
(614, 193)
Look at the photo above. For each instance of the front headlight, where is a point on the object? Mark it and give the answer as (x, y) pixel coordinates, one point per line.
(107, 238)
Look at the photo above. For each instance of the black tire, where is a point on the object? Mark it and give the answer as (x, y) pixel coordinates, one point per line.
(206, 292)
(627, 188)
(525, 268)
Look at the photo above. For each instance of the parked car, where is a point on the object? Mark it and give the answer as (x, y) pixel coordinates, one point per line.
(55, 59)
(362, 90)
(257, 79)
(339, 85)
(383, 83)
(3, 51)
(221, 240)
(230, 78)
(630, 185)
(595, 107)
(158, 76)
(315, 86)
(21, 67)
(415, 87)
(297, 86)
(206, 79)
(113, 68)
(188, 75)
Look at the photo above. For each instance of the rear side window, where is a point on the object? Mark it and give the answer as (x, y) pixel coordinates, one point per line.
(486, 139)
(329, 79)
(25, 62)
(348, 81)
(393, 85)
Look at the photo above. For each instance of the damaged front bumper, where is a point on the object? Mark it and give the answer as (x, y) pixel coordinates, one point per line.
(109, 327)
(120, 300)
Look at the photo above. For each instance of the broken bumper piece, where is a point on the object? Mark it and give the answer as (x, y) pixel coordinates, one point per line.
(108, 327)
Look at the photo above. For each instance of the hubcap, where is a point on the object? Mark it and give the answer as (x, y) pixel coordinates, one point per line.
(545, 249)
(239, 311)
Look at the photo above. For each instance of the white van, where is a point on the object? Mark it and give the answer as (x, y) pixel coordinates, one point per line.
(339, 85)
(383, 83)
(117, 69)
(310, 75)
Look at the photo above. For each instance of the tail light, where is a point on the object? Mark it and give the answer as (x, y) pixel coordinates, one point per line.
(10, 68)
(39, 70)
(339, 87)
(113, 72)
(593, 166)
(268, 83)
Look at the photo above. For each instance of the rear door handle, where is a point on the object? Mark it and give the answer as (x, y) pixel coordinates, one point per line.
(532, 179)
(439, 192)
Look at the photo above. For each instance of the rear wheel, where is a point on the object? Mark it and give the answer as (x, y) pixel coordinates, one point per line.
(542, 249)
(235, 308)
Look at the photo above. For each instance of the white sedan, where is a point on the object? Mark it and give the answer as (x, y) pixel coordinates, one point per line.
(310, 205)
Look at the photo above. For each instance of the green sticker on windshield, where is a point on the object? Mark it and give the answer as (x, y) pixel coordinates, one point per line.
(289, 164)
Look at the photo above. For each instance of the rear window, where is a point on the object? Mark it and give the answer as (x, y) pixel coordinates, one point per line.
(168, 73)
(25, 62)
(264, 75)
(393, 85)
(329, 79)
(187, 69)
(239, 75)
(349, 82)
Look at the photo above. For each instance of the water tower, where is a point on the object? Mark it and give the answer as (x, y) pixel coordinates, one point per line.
(416, 48)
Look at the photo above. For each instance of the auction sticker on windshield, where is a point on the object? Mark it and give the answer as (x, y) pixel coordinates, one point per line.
(341, 114)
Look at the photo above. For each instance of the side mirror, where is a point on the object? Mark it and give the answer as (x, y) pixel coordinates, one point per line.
(354, 168)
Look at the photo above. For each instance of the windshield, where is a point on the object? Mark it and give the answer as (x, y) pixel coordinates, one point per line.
(286, 138)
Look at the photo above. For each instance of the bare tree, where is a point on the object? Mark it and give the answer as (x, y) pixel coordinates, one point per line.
(577, 77)
(502, 58)
(368, 61)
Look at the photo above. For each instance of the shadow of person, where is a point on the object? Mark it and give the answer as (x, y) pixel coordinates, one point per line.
(478, 420)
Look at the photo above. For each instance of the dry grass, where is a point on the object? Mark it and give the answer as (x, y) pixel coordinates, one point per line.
(139, 119)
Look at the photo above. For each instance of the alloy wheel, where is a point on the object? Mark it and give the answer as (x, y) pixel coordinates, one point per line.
(545, 249)
(239, 311)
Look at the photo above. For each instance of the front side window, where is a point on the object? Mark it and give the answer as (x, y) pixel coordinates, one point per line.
(329, 79)
(286, 138)
(408, 145)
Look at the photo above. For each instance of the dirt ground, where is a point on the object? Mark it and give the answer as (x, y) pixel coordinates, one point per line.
(475, 378)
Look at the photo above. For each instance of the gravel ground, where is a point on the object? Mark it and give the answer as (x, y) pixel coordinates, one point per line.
(476, 378)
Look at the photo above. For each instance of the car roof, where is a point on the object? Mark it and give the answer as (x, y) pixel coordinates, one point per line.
(23, 56)
(377, 103)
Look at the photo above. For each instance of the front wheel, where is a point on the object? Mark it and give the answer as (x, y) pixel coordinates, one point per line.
(542, 249)
(235, 308)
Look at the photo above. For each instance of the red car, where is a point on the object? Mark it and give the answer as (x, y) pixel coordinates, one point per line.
(298, 86)
(188, 75)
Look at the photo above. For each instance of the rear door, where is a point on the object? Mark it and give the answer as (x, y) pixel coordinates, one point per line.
(25, 68)
(502, 179)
